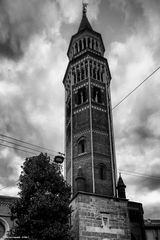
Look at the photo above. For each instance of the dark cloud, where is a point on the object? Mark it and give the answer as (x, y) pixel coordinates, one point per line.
(31, 103)
(20, 20)
(152, 211)
(7, 50)
(150, 183)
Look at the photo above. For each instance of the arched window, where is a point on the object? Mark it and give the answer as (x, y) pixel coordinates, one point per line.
(91, 69)
(84, 43)
(81, 146)
(94, 72)
(102, 73)
(76, 48)
(78, 75)
(97, 46)
(89, 42)
(82, 73)
(86, 69)
(93, 44)
(102, 171)
(4, 228)
(74, 75)
(80, 45)
(98, 74)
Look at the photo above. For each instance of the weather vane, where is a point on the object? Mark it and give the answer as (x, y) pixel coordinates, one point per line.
(85, 7)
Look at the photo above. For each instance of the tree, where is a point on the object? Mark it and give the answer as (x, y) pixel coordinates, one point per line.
(42, 211)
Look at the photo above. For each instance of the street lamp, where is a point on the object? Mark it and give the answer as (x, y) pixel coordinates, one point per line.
(59, 159)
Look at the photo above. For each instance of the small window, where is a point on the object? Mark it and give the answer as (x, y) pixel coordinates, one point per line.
(82, 73)
(89, 42)
(76, 47)
(94, 73)
(74, 77)
(86, 70)
(80, 45)
(84, 43)
(102, 171)
(97, 46)
(82, 146)
(93, 44)
(105, 220)
(78, 75)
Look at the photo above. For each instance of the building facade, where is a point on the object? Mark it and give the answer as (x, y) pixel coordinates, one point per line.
(152, 228)
(5, 215)
(100, 207)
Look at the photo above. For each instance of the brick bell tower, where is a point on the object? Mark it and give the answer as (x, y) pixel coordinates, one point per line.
(89, 133)
(90, 166)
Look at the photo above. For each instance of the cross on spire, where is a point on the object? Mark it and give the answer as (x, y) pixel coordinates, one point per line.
(84, 7)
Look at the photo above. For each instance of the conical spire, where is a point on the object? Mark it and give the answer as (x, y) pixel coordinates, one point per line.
(121, 187)
(84, 22)
(120, 182)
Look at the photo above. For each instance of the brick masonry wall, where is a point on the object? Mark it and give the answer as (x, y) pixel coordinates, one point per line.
(100, 218)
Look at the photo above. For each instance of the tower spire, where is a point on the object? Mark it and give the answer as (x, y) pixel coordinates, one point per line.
(84, 22)
(84, 7)
(121, 187)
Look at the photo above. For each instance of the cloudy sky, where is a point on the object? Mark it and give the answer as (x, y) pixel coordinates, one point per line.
(34, 37)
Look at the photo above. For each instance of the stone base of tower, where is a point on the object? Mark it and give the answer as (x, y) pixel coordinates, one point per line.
(99, 217)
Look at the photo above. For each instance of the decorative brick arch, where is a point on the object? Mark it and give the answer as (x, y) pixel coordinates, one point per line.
(6, 227)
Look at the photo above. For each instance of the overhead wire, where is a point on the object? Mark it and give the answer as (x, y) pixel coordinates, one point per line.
(136, 88)
(135, 174)
(138, 174)
(123, 99)
(5, 145)
(31, 144)
(19, 145)
(125, 172)
(50, 150)
(8, 186)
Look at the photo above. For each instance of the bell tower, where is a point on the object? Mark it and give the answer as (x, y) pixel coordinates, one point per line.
(100, 209)
(89, 132)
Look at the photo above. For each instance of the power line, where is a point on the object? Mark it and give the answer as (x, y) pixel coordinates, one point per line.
(125, 172)
(135, 174)
(23, 146)
(31, 144)
(8, 186)
(4, 145)
(138, 174)
(136, 87)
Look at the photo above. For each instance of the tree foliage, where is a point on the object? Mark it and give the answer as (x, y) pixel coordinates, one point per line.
(42, 211)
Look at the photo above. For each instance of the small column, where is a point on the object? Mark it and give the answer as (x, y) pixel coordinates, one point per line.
(82, 44)
(78, 47)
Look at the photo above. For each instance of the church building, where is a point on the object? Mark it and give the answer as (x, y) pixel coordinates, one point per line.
(100, 210)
